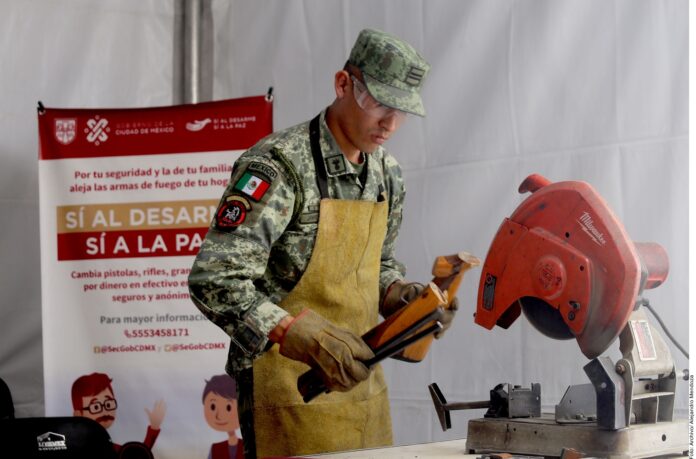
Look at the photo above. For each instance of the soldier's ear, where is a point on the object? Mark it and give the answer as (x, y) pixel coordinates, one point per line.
(342, 83)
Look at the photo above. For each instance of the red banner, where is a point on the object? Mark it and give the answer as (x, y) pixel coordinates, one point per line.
(208, 126)
(129, 244)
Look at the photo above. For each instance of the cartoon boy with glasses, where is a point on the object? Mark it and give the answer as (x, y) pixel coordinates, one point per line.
(93, 398)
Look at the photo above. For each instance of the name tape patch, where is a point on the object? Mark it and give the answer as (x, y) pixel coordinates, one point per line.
(264, 169)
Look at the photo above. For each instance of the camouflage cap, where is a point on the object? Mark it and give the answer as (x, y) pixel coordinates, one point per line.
(393, 71)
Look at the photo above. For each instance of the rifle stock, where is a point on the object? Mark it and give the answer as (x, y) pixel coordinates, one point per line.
(309, 384)
(430, 298)
(448, 272)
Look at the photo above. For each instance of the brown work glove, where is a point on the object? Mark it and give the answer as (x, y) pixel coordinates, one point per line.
(447, 318)
(399, 294)
(336, 352)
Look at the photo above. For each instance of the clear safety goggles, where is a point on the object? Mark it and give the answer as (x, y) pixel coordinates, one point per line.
(370, 105)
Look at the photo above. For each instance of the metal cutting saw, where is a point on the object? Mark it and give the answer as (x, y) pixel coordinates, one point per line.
(566, 262)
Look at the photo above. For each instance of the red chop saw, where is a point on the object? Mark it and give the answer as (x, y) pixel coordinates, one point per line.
(565, 261)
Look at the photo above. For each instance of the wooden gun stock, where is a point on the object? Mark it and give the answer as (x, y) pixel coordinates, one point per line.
(430, 298)
(448, 271)
(416, 319)
(411, 324)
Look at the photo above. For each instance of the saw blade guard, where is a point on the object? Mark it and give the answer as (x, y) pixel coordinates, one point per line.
(566, 261)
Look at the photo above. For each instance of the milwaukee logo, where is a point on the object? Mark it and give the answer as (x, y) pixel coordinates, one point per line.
(587, 225)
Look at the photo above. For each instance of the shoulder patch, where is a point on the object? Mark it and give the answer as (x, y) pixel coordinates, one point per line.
(253, 184)
(232, 212)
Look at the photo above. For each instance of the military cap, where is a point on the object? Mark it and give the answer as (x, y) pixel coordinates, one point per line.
(392, 70)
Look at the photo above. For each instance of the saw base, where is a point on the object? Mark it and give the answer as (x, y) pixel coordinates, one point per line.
(544, 437)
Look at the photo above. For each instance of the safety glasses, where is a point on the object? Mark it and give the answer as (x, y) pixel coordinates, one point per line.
(370, 106)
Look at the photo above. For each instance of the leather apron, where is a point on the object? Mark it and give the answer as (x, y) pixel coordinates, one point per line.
(341, 283)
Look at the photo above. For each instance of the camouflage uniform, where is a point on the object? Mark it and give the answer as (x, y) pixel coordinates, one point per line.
(260, 243)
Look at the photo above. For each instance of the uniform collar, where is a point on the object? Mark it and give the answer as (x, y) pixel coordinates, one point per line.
(334, 160)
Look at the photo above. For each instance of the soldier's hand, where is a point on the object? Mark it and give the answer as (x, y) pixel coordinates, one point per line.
(447, 317)
(398, 295)
(335, 352)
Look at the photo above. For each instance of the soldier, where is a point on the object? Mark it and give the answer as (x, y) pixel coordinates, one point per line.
(299, 260)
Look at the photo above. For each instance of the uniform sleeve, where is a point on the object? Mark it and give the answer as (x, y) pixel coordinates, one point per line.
(391, 269)
(253, 212)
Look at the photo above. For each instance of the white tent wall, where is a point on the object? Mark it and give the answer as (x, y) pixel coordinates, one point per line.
(590, 90)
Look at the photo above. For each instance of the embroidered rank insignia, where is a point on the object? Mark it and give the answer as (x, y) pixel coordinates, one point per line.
(335, 164)
(415, 76)
(232, 213)
(252, 186)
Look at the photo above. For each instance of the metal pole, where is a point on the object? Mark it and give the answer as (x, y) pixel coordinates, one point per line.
(193, 51)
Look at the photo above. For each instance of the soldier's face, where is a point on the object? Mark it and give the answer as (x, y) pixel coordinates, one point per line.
(368, 129)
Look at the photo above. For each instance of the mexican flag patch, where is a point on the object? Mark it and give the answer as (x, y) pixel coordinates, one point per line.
(252, 186)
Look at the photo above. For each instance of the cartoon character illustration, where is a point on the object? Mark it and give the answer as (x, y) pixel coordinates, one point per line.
(93, 398)
(220, 410)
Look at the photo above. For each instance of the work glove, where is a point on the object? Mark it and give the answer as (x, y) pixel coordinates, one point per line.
(447, 318)
(399, 294)
(335, 352)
